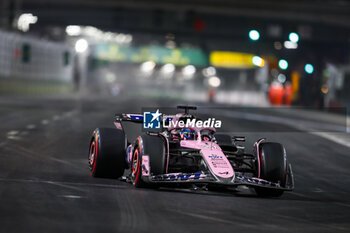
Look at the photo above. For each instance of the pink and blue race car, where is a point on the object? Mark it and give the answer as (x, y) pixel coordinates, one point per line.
(188, 157)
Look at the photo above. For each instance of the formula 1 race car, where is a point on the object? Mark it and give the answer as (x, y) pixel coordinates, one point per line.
(188, 156)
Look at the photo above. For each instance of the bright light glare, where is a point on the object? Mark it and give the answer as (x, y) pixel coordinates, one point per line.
(254, 35)
(121, 38)
(293, 37)
(290, 45)
(128, 39)
(81, 45)
(258, 61)
(147, 66)
(24, 21)
(281, 78)
(97, 34)
(110, 77)
(309, 68)
(210, 71)
(188, 71)
(73, 30)
(283, 64)
(214, 81)
(168, 68)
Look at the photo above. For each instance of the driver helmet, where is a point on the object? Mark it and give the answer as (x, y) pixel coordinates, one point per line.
(188, 134)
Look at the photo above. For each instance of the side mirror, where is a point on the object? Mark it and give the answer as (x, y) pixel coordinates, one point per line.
(238, 139)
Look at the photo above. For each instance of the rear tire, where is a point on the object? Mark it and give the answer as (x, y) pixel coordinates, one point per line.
(154, 147)
(273, 167)
(107, 153)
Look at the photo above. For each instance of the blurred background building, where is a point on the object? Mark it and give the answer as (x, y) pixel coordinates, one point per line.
(240, 52)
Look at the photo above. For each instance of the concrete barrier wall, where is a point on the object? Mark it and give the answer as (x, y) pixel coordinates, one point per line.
(26, 60)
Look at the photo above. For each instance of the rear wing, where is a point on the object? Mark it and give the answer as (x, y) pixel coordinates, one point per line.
(136, 118)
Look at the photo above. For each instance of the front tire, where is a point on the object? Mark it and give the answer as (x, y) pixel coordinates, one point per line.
(154, 147)
(107, 153)
(273, 167)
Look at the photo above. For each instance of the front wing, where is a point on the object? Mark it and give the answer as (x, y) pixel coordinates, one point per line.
(206, 178)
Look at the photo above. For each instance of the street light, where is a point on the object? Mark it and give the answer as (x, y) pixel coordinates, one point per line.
(25, 20)
(73, 30)
(254, 35)
(214, 81)
(290, 45)
(309, 68)
(258, 61)
(148, 66)
(168, 68)
(81, 45)
(188, 71)
(283, 64)
(293, 37)
(208, 72)
(281, 78)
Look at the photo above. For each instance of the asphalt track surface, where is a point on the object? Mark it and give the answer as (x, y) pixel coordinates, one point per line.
(45, 185)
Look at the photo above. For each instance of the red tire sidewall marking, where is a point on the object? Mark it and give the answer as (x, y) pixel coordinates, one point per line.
(92, 149)
(135, 154)
(138, 170)
(261, 163)
(138, 161)
(95, 155)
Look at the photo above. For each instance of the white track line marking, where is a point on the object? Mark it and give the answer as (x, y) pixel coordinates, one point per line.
(45, 122)
(31, 126)
(56, 117)
(71, 196)
(65, 185)
(13, 137)
(318, 190)
(344, 140)
(12, 133)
